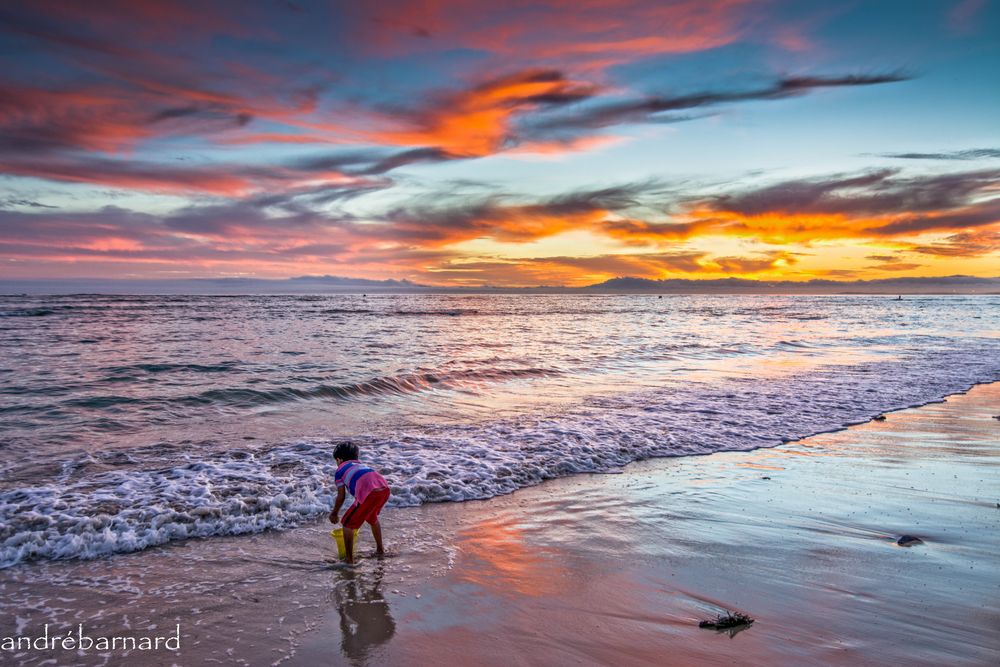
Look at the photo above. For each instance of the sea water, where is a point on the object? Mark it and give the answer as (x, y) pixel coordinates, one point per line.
(127, 422)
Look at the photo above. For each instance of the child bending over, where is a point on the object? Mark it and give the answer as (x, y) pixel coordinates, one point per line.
(370, 492)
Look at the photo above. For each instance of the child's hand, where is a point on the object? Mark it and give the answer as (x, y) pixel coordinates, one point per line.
(334, 518)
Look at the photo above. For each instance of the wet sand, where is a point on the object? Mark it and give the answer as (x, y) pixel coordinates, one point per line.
(599, 569)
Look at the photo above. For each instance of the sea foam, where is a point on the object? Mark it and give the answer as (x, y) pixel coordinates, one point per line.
(116, 503)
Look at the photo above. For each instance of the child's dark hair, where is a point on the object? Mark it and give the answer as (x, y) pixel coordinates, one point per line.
(346, 451)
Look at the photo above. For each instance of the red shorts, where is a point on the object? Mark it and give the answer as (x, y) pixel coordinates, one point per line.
(368, 511)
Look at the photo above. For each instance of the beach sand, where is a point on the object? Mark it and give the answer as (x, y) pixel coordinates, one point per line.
(599, 569)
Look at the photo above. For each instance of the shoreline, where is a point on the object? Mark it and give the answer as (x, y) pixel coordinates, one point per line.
(723, 405)
(594, 568)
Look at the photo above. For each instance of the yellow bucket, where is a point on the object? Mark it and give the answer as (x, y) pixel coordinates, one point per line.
(338, 535)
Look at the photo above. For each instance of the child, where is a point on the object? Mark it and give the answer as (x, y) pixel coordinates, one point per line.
(370, 492)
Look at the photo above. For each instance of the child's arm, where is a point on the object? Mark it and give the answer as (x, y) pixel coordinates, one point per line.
(335, 514)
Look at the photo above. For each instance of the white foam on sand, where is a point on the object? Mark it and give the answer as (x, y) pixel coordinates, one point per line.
(177, 496)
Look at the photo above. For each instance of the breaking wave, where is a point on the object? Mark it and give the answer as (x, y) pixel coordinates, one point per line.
(116, 502)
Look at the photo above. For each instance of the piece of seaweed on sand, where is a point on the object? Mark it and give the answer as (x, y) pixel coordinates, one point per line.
(727, 621)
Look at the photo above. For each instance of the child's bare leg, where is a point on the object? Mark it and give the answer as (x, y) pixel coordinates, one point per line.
(377, 534)
(349, 545)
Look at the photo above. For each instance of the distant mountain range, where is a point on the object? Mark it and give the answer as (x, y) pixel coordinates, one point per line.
(354, 282)
(963, 284)
(297, 285)
(341, 284)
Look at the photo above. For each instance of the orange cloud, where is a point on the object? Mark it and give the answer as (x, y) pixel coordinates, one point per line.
(876, 205)
(896, 266)
(783, 228)
(964, 244)
(579, 271)
(477, 121)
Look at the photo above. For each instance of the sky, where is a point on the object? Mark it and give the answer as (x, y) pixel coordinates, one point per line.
(469, 143)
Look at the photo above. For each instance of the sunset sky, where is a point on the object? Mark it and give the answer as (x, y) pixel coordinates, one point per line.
(460, 142)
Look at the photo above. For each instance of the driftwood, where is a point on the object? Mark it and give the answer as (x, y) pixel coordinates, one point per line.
(727, 621)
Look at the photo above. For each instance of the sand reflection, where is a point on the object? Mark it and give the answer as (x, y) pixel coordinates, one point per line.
(498, 556)
(365, 619)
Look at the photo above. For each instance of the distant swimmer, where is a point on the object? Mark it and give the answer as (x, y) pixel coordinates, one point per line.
(899, 298)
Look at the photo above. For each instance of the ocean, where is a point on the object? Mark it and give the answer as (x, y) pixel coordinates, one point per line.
(127, 422)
